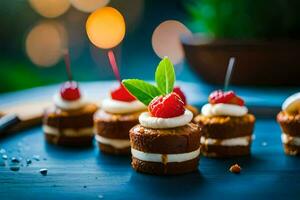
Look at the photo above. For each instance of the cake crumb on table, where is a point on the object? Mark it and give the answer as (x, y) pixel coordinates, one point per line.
(236, 169)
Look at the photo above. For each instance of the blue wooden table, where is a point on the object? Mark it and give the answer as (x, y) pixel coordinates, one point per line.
(89, 174)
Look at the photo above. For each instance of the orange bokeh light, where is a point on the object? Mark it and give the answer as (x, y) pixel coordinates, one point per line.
(46, 43)
(50, 8)
(105, 27)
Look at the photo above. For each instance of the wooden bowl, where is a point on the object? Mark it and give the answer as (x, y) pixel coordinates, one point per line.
(268, 63)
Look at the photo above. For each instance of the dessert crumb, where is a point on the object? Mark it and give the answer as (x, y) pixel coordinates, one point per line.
(236, 169)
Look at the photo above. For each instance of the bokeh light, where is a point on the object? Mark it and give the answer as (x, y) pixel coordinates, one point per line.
(50, 8)
(166, 40)
(46, 43)
(106, 27)
(88, 5)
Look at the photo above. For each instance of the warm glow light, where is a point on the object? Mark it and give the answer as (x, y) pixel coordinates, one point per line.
(105, 27)
(50, 8)
(88, 5)
(166, 40)
(46, 43)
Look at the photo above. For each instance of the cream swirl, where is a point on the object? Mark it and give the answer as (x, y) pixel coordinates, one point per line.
(148, 121)
(222, 109)
(121, 107)
(68, 105)
(292, 103)
(238, 141)
(155, 157)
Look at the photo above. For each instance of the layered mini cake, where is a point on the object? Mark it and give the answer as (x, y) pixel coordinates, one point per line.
(70, 121)
(289, 120)
(226, 126)
(118, 114)
(165, 141)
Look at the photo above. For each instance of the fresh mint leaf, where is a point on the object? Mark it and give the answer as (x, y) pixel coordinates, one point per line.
(142, 90)
(165, 76)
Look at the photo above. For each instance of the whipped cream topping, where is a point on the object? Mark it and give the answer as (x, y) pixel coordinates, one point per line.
(222, 109)
(238, 141)
(292, 140)
(292, 103)
(121, 107)
(68, 131)
(148, 121)
(68, 105)
(164, 158)
(117, 143)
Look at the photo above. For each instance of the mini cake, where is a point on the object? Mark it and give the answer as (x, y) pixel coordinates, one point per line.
(226, 126)
(70, 121)
(289, 120)
(165, 141)
(113, 121)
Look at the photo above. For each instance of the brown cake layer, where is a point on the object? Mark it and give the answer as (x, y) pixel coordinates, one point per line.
(166, 141)
(75, 119)
(165, 169)
(115, 126)
(225, 127)
(112, 150)
(289, 123)
(219, 151)
(292, 150)
(80, 141)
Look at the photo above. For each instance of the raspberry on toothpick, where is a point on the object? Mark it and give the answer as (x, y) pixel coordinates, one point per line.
(228, 97)
(122, 94)
(70, 91)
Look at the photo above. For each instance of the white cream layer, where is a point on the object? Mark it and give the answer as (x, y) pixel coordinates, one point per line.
(68, 131)
(155, 157)
(121, 107)
(68, 105)
(287, 139)
(222, 109)
(116, 143)
(292, 103)
(148, 121)
(238, 141)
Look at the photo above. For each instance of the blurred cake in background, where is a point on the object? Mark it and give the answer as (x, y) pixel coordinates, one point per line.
(289, 120)
(226, 126)
(118, 114)
(70, 121)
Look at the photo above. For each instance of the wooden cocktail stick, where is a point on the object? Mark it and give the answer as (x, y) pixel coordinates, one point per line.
(229, 73)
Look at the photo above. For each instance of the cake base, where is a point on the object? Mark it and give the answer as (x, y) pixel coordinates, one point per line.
(292, 150)
(105, 148)
(218, 151)
(78, 141)
(157, 168)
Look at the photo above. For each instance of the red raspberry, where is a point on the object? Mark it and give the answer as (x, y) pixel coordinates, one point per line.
(167, 106)
(178, 91)
(225, 97)
(70, 91)
(237, 100)
(122, 94)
